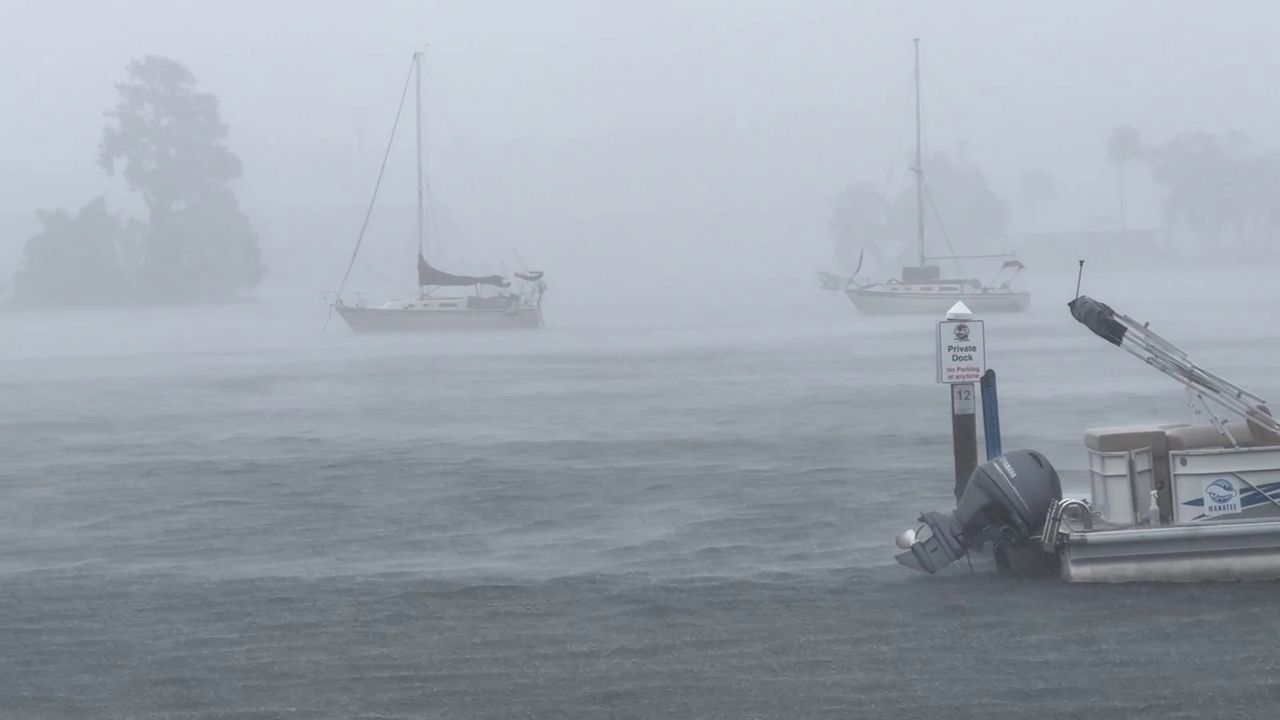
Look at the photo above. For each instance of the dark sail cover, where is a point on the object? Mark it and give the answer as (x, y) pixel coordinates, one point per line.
(428, 275)
(1098, 317)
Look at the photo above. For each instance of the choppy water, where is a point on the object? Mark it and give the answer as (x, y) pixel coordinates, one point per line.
(202, 519)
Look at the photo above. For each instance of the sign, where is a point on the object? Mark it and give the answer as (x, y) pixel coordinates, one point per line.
(962, 354)
(962, 402)
(1221, 497)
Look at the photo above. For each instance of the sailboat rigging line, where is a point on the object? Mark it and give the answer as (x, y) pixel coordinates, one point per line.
(941, 226)
(377, 183)
(417, 106)
(459, 147)
(523, 265)
(380, 275)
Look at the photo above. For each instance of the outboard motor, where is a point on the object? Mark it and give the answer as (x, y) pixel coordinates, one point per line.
(1004, 503)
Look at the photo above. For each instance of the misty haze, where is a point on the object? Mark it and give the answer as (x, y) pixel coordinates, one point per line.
(581, 359)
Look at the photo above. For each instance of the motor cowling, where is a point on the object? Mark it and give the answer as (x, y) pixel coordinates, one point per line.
(1004, 504)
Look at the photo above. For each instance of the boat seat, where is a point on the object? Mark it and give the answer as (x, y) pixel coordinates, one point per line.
(1124, 439)
(1262, 435)
(1162, 439)
(1200, 437)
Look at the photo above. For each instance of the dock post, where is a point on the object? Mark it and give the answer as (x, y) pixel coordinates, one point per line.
(990, 415)
(961, 363)
(964, 434)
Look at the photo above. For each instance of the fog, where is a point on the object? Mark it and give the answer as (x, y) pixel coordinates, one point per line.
(677, 498)
(665, 145)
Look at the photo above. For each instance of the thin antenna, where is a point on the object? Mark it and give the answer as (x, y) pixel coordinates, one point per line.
(1079, 276)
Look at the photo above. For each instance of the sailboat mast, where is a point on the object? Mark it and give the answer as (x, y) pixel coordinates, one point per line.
(919, 168)
(417, 98)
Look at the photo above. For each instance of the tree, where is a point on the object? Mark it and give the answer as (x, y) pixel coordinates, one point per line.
(169, 144)
(75, 259)
(1123, 146)
(859, 223)
(1037, 186)
(960, 209)
(1221, 188)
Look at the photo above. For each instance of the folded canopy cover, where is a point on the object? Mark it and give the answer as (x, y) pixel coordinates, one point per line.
(1098, 317)
(428, 275)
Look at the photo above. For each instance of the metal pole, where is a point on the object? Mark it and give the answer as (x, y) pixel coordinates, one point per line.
(417, 98)
(964, 433)
(990, 415)
(919, 163)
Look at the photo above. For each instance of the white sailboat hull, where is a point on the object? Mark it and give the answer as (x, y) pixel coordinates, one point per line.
(884, 301)
(389, 320)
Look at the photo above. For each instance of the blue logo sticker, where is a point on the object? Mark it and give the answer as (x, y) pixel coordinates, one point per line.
(1221, 497)
(1221, 491)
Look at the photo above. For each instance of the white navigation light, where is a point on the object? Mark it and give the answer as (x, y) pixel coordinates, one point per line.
(906, 539)
(959, 311)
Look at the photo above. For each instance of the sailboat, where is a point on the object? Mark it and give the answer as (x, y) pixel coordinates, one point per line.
(494, 303)
(922, 289)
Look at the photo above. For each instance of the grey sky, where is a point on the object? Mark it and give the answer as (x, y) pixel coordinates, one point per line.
(705, 127)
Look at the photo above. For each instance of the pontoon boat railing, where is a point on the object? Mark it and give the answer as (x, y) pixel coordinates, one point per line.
(1144, 343)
